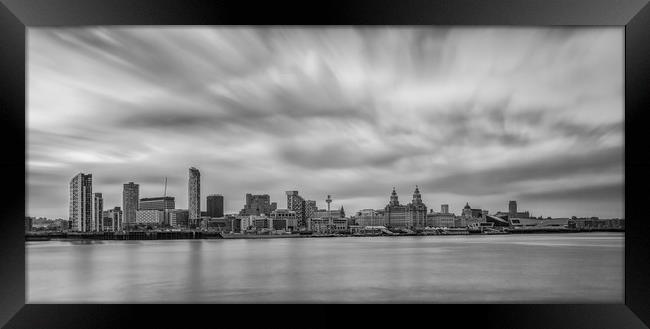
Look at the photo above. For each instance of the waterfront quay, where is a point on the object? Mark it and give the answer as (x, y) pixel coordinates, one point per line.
(198, 234)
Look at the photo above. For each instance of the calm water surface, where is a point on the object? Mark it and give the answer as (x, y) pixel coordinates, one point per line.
(544, 268)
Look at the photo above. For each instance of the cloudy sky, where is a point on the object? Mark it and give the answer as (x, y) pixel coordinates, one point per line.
(478, 115)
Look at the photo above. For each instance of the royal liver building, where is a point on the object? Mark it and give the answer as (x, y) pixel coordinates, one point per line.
(416, 210)
(412, 215)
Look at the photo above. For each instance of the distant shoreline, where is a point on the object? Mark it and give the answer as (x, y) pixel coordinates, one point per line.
(200, 235)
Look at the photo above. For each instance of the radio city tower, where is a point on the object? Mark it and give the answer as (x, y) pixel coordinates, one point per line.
(329, 214)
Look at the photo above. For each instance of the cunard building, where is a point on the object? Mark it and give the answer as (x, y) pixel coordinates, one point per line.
(411, 215)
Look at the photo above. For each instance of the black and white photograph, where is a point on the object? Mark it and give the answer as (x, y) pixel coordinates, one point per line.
(325, 164)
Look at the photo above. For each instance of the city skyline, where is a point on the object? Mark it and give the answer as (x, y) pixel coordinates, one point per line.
(485, 115)
(392, 200)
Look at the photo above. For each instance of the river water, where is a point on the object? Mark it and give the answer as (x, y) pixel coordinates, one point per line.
(536, 268)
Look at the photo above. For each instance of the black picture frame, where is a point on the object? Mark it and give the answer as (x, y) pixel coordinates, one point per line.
(17, 15)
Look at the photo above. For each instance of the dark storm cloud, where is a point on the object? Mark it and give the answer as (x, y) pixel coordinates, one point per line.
(478, 182)
(341, 156)
(463, 112)
(600, 193)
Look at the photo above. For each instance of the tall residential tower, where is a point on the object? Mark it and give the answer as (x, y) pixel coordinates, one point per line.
(98, 213)
(81, 202)
(130, 198)
(194, 196)
(214, 205)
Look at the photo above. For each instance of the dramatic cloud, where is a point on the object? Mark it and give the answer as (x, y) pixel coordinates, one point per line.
(478, 115)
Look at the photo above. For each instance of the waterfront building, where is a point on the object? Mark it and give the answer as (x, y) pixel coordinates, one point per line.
(235, 222)
(518, 223)
(369, 217)
(221, 224)
(352, 221)
(194, 196)
(214, 205)
(296, 203)
(467, 211)
(502, 214)
(261, 222)
(417, 210)
(596, 223)
(310, 208)
(149, 217)
(396, 215)
(231, 223)
(318, 225)
(340, 224)
(98, 216)
(289, 217)
(113, 219)
(258, 204)
(441, 219)
(496, 221)
(81, 202)
(477, 213)
(130, 197)
(178, 218)
(164, 204)
(324, 213)
(328, 225)
(157, 203)
(279, 224)
(248, 222)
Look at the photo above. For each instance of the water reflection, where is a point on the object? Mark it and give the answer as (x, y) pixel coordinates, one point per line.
(460, 269)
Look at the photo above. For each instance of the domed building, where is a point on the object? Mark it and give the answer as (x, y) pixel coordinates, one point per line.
(467, 211)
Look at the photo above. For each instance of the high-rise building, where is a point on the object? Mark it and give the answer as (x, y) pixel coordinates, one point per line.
(98, 216)
(396, 215)
(310, 208)
(296, 203)
(417, 210)
(194, 196)
(214, 205)
(130, 197)
(81, 202)
(512, 207)
(113, 219)
(258, 204)
(178, 218)
(157, 203)
(444, 208)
